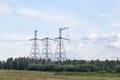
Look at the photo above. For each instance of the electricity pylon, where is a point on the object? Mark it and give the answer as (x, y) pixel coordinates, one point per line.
(60, 53)
(47, 51)
(35, 52)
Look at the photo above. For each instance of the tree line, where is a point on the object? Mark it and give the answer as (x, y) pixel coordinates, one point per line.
(23, 63)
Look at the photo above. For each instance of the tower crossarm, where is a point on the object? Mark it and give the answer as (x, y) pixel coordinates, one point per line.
(47, 39)
(64, 28)
(62, 38)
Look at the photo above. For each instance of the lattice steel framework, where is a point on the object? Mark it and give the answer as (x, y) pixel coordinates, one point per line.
(47, 51)
(35, 52)
(60, 53)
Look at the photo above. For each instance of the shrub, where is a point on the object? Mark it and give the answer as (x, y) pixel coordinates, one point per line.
(68, 68)
(86, 68)
(117, 68)
(33, 67)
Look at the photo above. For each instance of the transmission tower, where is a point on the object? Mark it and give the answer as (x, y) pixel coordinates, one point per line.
(35, 53)
(60, 54)
(47, 51)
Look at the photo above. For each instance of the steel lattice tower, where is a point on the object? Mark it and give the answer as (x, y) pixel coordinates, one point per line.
(47, 51)
(35, 53)
(60, 53)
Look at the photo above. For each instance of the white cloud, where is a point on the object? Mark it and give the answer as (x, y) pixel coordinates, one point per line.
(109, 36)
(93, 36)
(115, 24)
(16, 38)
(115, 12)
(111, 40)
(117, 7)
(115, 44)
(110, 15)
(118, 0)
(105, 40)
(48, 15)
(29, 12)
(15, 45)
(105, 15)
(80, 45)
(21, 37)
(2, 46)
(5, 8)
(100, 43)
(105, 36)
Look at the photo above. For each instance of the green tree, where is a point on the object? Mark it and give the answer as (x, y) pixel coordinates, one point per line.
(9, 63)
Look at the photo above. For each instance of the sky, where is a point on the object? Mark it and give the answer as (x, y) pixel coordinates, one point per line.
(94, 27)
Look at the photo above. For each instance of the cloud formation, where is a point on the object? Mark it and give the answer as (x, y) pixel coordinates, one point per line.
(113, 14)
(111, 40)
(5, 8)
(80, 45)
(115, 44)
(100, 37)
(48, 15)
(115, 24)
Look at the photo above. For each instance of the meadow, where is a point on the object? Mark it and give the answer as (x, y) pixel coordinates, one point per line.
(38, 75)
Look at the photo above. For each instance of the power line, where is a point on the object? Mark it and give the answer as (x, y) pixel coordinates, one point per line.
(11, 40)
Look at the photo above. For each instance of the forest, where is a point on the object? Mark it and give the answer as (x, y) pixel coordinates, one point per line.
(23, 63)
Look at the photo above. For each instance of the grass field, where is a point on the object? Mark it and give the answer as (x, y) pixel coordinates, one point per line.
(36, 75)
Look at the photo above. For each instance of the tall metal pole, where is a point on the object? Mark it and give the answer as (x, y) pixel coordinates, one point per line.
(47, 48)
(46, 52)
(60, 43)
(35, 53)
(60, 54)
(35, 40)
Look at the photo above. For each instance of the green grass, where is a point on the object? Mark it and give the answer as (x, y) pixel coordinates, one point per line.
(38, 75)
(98, 74)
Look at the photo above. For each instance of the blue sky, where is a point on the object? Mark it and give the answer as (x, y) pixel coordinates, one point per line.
(93, 26)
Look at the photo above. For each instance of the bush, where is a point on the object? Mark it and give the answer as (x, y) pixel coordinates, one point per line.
(59, 68)
(86, 68)
(48, 67)
(33, 67)
(68, 68)
(41, 67)
(117, 68)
